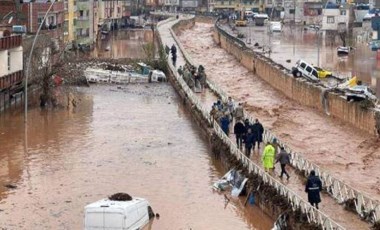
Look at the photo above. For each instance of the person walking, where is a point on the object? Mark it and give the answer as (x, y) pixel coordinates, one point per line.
(231, 107)
(174, 54)
(225, 123)
(258, 130)
(268, 157)
(249, 142)
(239, 130)
(313, 188)
(284, 159)
(239, 112)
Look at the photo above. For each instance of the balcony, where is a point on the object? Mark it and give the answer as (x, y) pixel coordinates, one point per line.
(10, 42)
(11, 79)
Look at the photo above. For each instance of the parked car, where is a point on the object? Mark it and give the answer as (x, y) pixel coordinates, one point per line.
(304, 69)
(275, 27)
(109, 214)
(322, 73)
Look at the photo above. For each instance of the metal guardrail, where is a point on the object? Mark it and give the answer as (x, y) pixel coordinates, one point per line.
(313, 214)
(365, 206)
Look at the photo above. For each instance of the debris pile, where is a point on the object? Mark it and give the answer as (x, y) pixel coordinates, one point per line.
(120, 197)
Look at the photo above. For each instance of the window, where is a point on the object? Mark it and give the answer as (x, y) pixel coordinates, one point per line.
(315, 73)
(81, 13)
(308, 69)
(330, 20)
(343, 12)
(291, 11)
(303, 65)
(9, 61)
(222, 2)
(87, 31)
(87, 13)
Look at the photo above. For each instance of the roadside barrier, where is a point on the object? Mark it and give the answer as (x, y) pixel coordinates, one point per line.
(297, 203)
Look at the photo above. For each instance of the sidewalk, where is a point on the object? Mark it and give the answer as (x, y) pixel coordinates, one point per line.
(347, 219)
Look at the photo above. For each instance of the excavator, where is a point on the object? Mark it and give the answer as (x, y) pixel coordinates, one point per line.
(241, 19)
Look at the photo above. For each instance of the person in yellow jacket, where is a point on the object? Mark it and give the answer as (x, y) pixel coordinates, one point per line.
(268, 157)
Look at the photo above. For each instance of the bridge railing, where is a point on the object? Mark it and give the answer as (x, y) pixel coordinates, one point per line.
(365, 206)
(297, 202)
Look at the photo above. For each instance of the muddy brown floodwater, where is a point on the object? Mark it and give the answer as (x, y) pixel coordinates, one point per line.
(123, 43)
(294, 44)
(347, 153)
(137, 139)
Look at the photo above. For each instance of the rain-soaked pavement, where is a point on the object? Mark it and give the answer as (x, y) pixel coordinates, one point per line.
(137, 139)
(303, 129)
(296, 43)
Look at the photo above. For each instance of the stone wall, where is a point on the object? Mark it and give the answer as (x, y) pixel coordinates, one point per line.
(297, 89)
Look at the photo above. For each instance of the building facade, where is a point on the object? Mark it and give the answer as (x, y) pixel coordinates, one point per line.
(84, 23)
(11, 60)
(70, 20)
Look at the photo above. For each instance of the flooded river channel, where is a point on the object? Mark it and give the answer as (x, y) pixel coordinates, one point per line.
(137, 139)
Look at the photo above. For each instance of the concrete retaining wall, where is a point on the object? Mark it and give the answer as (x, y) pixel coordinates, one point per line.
(298, 89)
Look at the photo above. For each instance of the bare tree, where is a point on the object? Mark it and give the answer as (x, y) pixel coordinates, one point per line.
(47, 60)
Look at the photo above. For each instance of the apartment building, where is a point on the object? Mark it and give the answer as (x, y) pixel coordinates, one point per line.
(31, 13)
(85, 27)
(70, 20)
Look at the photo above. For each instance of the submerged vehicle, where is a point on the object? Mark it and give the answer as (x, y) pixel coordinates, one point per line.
(359, 93)
(143, 75)
(109, 214)
(234, 179)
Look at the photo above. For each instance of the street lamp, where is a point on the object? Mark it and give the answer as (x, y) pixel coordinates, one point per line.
(27, 72)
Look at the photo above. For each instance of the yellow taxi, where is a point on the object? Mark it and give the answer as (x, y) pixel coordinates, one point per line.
(323, 73)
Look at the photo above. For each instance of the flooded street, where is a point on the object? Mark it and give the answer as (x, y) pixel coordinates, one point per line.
(295, 44)
(338, 148)
(136, 139)
(123, 43)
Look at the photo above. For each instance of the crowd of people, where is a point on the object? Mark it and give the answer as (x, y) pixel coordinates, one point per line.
(248, 135)
(194, 78)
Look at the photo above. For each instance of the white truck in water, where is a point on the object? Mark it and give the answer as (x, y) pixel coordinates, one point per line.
(109, 214)
(145, 74)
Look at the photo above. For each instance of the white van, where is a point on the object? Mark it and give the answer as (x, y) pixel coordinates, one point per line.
(117, 215)
(249, 14)
(304, 69)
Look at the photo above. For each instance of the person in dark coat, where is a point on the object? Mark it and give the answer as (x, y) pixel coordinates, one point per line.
(174, 54)
(225, 124)
(239, 130)
(249, 142)
(283, 158)
(174, 50)
(258, 130)
(313, 188)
